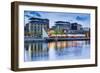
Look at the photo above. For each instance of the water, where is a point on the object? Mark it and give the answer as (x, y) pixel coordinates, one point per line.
(56, 50)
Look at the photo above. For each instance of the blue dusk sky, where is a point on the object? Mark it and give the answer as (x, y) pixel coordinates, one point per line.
(80, 18)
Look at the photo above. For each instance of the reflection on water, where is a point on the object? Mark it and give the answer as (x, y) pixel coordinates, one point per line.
(57, 50)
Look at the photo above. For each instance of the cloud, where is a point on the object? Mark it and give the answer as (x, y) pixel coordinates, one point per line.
(81, 18)
(35, 13)
(29, 14)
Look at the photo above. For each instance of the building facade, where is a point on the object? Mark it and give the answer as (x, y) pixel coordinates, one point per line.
(35, 27)
(62, 26)
(75, 26)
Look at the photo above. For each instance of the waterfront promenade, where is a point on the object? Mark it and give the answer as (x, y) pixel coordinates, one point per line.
(53, 39)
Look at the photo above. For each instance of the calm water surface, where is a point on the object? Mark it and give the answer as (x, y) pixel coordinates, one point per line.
(57, 50)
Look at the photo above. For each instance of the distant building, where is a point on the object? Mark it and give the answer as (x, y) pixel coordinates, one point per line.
(62, 26)
(76, 26)
(87, 31)
(35, 26)
(67, 27)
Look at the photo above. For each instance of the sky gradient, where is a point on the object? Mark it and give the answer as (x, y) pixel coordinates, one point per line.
(80, 18)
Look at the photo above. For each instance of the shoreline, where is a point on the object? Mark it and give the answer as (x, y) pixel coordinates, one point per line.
(54, 39)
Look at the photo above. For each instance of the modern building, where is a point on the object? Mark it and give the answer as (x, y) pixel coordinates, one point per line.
(62, 26)
(68, 27)
(76, 26)
(36, 26)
